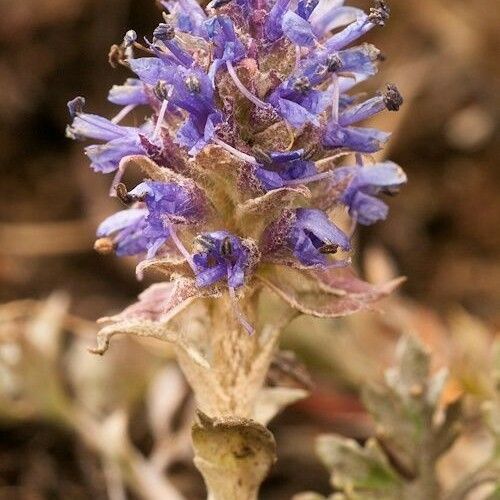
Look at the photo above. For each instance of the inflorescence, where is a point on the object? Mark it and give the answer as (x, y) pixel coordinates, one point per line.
(251, 103)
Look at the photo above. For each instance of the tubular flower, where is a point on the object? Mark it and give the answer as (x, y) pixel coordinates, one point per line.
(247, 99)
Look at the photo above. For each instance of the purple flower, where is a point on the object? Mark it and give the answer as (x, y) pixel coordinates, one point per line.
(225, 256)
(365, 183)
(193, 92)
(365, 22)
(281, 168)
(313, 236)
(164, 37)
(341, 134)
(227, 45)
(118, 141)
(146, 229)
(128, 230)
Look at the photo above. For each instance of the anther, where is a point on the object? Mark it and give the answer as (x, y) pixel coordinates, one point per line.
(333, 63)
(302, 84)
(328, 249)
(226, 248)
(130, 38)
(75, 106)
(162, 90)
(104, 246)
(206, 241)
(117, 56)
(392, 98)
(164, 32)
(380, 13)
(193, 84)
(123, 195)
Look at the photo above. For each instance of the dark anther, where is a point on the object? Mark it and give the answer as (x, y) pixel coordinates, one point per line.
(328, 249)
(302, 84)
(206, 241)
(261, 156)
(122, 194)
(75, 106)
(390, 190)
(333, 63)
(117, 56)
(392, 98)
(104, 246)
(226, 248)
(164, 32)
(162, 90)
(193, 84)
(130, 38)
(380, 13)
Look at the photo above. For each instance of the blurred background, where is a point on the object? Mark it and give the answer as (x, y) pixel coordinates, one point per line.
(442, 233)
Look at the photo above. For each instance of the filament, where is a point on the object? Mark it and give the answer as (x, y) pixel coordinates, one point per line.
(312, 178)
(123, 113)
(161, 117)
(180, 246)
(336, 98)
(243, 89)
(242, 156)
(237, 311)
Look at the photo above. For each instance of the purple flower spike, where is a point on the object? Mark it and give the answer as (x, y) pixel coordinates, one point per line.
(245, 99)
(224, 257)
(365, 184)
(313, 236)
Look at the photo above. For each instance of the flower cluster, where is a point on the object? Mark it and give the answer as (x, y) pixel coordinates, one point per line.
(252, 105)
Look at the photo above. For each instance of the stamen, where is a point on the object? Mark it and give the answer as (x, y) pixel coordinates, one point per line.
(180, 246)
(302, 84)
(164, 32)
(335, 98)
(298, 56)
(226, 248)
(237, 311)
(129, 38)
(380, 13)
(251, 97)
(307, 180)
(242, 156)
(359, 159)
(104, 246)
(193, 84)
(123, 113)
(393, 100)
(333, 63)
(161, 117)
